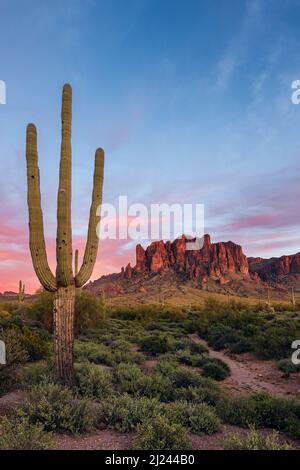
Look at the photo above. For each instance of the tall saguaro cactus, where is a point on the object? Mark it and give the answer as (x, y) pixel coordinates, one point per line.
(64, 282)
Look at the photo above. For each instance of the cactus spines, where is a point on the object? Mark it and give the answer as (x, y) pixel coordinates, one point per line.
(91, 247)
(76, 262)
(64, 283)
(36, 225)
(21, 294)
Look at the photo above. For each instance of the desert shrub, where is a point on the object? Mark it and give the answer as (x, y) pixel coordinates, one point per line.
(19, 434)
(37, 373)
(220, 336)
(36, 343)
(16, 355)
(255, 440)
(206, 393)
(185, 356)
(199, 418)
(128, 377)
(57, 409)
(157, 344)
(124, 413)
(92, 352)
(156, 386)
(197, 348)
(159, 433)
(92, 381)
(148, 313)
(184, 378)
(242, 328)
(262, 410)
(131, 379)
(274, 342)
(41, 310)
(287, 367)
(215, 369)
(89, 312)
(103, 354)
(242, 345)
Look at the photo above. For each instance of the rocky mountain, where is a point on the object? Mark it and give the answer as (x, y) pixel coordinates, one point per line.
(217, 261)
(283, 270)
(216, 267)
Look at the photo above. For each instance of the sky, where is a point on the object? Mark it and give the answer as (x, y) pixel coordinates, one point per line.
(191, 101)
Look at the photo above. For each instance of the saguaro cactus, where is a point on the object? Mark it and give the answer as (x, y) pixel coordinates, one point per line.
(63, 283)
(293, 301)
(21, 294)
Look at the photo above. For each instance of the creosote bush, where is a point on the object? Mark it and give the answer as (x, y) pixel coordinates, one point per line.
(18, 433)
(262, 410)
(215, 369)
(199, 418)
(57, 409)
(157, 344)
(124, 413)
(255, 440)
(93, 382)
(160, 434)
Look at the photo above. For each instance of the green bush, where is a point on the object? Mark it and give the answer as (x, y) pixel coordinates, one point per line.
(37, 373)
(93, 382)
(103, 354)
(185, 356)
(157, 344)
(16, 355)
(36, 343)
(89, 312)
(199, 418)
(160, 434)
(41, 310)
(206, 393)
(215, 369)
(274, 342)
(57, 409)
(287, 367)
(128, 377)
(262, 410)
(255, 440)
(19, 434)
(132, 380)
(124, 413)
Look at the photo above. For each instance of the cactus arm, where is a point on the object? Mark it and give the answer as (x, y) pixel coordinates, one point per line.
(64, 272)
(91, 248)
(76, 262)
(36, 225)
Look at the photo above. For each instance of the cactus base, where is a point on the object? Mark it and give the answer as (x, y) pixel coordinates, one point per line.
(64, 314)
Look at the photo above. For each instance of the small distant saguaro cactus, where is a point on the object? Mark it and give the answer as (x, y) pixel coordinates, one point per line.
(64, 282)
(21, 294)
(293, 301)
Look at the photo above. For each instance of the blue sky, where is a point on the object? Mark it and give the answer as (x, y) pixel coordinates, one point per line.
(191, 101)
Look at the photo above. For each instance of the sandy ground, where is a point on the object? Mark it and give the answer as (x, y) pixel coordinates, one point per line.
(249, 374)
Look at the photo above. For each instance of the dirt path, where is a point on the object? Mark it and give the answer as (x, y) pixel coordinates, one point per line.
(249, 374)
(100, 440)
(10, 401)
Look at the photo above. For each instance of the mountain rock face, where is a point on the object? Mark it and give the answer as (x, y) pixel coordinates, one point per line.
(274, 269)
(217, 261)
(215, 267)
